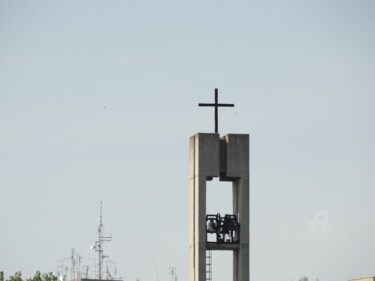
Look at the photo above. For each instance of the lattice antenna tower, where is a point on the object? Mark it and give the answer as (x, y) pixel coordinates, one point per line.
(172, 273)
(75, 269)
(98, 247)
(73, 265)
(64, 270)
(111, 273)
(93, 269)
(86, 271)
(79, 272)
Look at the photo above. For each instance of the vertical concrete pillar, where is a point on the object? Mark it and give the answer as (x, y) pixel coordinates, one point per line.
(204, 164)
(227, 158)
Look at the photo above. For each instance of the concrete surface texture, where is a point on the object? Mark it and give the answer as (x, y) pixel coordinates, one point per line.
(228, 159)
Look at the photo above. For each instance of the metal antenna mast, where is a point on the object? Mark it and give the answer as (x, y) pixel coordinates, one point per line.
(72, 269)
(172, 273)
(99, 244)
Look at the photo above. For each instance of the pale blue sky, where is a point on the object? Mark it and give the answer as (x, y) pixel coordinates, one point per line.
(98, 100)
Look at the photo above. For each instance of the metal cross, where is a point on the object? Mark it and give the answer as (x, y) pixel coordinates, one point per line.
(216, 105)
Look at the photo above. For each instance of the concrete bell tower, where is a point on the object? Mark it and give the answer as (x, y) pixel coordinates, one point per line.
(228, 159)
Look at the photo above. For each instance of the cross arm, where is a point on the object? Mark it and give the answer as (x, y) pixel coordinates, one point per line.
(207, 104)
(226, 104)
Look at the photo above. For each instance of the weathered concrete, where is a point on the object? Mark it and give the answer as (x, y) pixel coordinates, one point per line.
(227, 158)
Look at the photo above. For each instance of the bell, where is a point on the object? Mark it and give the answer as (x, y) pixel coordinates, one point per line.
(211, 226)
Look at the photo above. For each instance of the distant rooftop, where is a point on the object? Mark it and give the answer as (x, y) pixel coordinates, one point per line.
(364, 279)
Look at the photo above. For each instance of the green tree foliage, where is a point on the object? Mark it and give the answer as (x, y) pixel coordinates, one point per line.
(37, 277)
(44, 277)
(16, 277)
(305, 279)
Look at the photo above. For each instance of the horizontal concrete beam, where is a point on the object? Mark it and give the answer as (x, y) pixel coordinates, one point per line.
(222, 247)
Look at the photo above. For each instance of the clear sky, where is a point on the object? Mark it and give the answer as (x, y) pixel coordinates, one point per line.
(98, 100)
